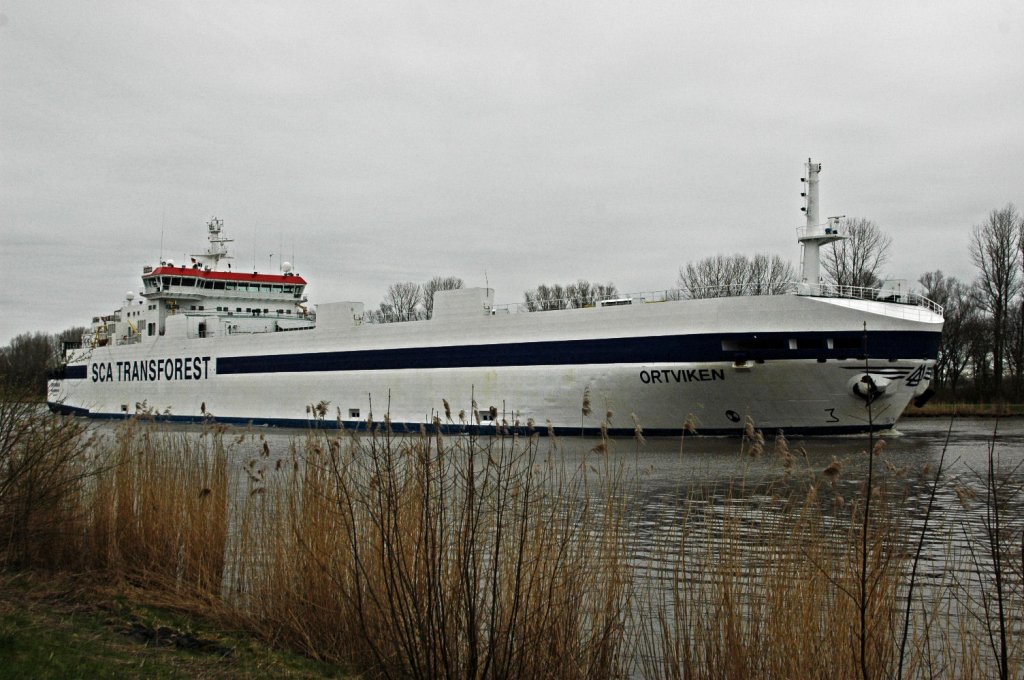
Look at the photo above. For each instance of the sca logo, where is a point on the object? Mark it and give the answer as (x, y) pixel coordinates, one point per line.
(920, 373)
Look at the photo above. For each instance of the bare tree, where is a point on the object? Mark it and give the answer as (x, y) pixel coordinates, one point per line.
(586, 294)
(717, 276)
(1017, 321)
(959, 329)
(582, 293)
(25, 361)
(857, 260)
(401, 303)
(432, 286)
(768, 275)
(729, 275)
(604, 291)
(994, 249)
(1015, 347)
(28, 358)
(579, 294)
(544, 298)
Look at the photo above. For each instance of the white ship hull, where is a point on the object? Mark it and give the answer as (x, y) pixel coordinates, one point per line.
(787, 362)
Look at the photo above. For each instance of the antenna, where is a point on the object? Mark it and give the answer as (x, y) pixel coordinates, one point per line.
(216, 251)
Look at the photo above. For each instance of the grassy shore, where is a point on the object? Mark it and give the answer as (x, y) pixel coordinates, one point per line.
(936, 409)
(60, 626)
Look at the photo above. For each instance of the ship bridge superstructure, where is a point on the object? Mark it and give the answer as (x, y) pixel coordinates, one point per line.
(194, 286)
(202, 300)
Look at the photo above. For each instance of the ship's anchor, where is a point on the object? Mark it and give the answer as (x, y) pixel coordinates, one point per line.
(869, 387)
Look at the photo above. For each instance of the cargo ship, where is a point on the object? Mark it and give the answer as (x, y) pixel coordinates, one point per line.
(205, 342)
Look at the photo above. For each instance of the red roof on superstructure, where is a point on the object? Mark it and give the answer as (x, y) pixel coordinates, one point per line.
(225, 276)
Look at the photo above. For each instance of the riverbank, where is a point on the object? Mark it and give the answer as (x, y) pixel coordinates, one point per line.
(962, 410)
(57, 626)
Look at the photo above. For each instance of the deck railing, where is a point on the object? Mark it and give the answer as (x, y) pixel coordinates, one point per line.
(860, 293)
(736, 290)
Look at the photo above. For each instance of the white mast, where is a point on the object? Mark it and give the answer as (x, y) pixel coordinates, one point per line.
(815, 234)
(216, 251)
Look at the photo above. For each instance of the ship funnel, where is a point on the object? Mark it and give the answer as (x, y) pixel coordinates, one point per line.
(815, 233)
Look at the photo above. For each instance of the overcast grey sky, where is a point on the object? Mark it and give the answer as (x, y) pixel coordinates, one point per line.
(512, 143)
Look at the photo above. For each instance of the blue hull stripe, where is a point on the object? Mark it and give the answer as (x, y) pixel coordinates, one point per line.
(695, 348)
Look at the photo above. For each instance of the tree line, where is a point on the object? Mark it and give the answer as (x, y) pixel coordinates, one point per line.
(581, 293)
(982, 352)
(408, 301)
(856, 260)
(25, 362)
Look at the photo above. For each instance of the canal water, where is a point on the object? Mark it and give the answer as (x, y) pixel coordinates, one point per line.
(669, 465)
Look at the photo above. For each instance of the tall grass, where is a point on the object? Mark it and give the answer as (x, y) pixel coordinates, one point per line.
(160, 514)
(149, 508)
(491, 557)
(432, 558)
(43, 464)
(795, 580)
(769, 592)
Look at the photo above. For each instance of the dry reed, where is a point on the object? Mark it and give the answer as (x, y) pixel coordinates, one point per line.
(44, 462)
(160, 511)
(434, 557)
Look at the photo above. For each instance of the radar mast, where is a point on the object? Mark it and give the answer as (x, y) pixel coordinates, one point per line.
(815, 234)
(216, 251)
